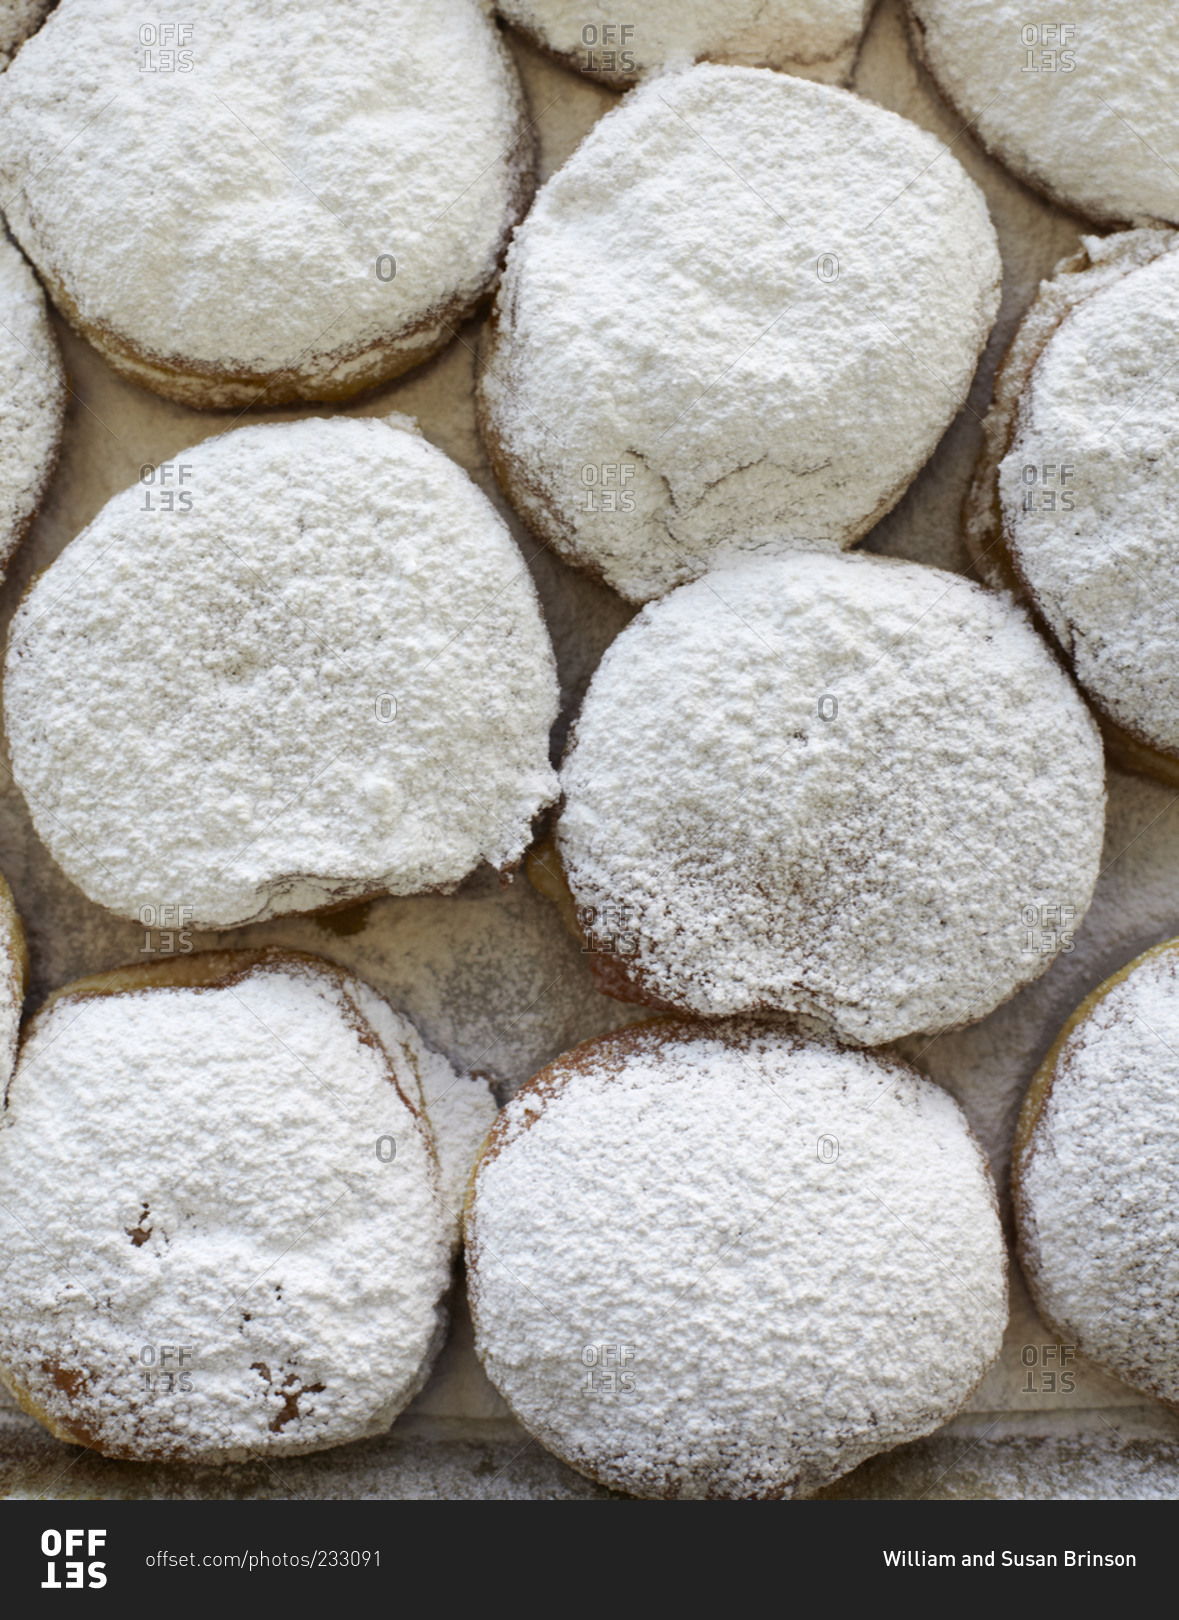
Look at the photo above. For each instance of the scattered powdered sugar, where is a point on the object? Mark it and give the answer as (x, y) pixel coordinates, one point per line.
(331, 184)
(1086, 487)
(225, 1231)
(1065, 102)
(739, 318)
(620, 42)
(1095, 1186)
(326, 679)
(32, 398)
(18, 19)
(491, 975)
(833, 785)
(733, 1262)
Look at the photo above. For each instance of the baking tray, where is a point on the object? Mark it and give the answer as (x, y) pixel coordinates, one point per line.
(491, 977)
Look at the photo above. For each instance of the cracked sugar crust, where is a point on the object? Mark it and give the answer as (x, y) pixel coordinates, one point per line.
(1089, 120)
(1095, 1181)
(328, 678)
(1097, 546)
(790, 1248)
(230, 1201)
(848, 787)
(738, 319)
(32, 399)
(257, 264)
(816, 37)
(19, 19)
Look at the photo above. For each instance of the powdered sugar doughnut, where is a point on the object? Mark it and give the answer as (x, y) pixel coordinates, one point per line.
(816, 37)
(740, 316)
(1095, 1177)
(300, 665)
(32, 399)
(1067, 105)
(329, 191)
(14, 973)
(1071, 501)
(842, 786)
(19, 19)
(250, 1255)
(732, 1261)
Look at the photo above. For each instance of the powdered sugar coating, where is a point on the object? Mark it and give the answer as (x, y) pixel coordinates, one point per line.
(817, 36)
(293, 145)
(18, 19)
(1101, 260)
(1095, 1182)
(329, 678)
(832, 785)
(231, 1201)
(739, 317)
(1086, 115)
(32, 399)
(1099, 550)
(796, 1243)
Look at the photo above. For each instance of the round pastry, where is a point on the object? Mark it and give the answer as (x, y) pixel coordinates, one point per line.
(605, 40)
(831, 785)
(1065, 105)
(740, 317)
(304, 229)
(732, 1261)
(32, 399)
(14, 975)
(1071, 501)
(299, 665)
(1095, 1181)
(19, 19)
(249, 1255)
